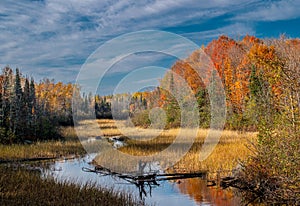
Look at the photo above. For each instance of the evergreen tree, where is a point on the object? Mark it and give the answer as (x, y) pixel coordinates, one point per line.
(172, 107)
(25, 110)
(255, 84)
(7, 86)
(204, 107)
(32, 108)
(17, 107)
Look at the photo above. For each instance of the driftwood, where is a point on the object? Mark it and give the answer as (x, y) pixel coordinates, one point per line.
(145, 179)
(151, 179)
(228, 182)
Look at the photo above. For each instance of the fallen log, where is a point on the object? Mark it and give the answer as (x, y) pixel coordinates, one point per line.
(4, 161)
(147, 177)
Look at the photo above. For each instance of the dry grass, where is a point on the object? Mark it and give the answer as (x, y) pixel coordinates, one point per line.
(225, 156)
(21, 187)
(231, 148)
(41, 149)
(93, 128)
(71, 146)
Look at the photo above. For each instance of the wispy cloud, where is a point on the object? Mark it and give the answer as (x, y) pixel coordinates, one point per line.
(53, 37)
(272, 11)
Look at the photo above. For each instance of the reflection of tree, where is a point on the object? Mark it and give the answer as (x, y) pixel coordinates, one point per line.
(198, 190)
(141, 185)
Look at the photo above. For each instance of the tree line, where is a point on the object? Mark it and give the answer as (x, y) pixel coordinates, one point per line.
(31, 111)
(119, 106)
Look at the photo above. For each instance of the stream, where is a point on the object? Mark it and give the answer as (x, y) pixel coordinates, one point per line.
(193, 191)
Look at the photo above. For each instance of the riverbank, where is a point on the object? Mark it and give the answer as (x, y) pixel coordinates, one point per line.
(69, 146)
(22, 187)
(232, 146)
(40, 150)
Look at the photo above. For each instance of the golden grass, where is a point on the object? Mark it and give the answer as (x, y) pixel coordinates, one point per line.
(40, 149)
(93, 128)
(231, 148)
(22, 187)
(70, 146)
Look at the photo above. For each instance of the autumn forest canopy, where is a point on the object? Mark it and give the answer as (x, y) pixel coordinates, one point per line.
(259, 76)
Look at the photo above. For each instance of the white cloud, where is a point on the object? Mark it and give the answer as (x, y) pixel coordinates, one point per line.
(54, 37)
(278, 10)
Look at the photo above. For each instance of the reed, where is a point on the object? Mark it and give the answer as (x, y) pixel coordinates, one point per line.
(22, 187)
(230, 150)
(70, 145)
(41, 149)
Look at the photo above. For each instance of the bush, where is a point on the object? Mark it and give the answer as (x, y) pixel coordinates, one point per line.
(141, 118)
(272, 174)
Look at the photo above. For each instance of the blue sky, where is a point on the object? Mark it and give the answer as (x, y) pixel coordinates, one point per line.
(53, 38)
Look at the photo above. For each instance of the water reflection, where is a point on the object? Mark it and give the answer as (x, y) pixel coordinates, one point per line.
(198, 190)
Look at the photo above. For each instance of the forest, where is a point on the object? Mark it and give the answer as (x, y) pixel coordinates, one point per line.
(260, 79)
(259, 76)
(32, 111)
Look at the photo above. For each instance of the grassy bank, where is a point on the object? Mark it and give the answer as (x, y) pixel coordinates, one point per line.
(21, 187)
(40, 150)
(70, 146)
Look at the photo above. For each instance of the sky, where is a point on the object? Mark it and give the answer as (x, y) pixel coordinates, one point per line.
(53, 38)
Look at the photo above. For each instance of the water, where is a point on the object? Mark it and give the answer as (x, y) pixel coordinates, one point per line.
(188, 192)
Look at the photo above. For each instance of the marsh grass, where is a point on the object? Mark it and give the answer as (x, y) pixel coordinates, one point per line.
(230, 150)
(69, 146)
(40, 149)
(22, 187)
(93, 128)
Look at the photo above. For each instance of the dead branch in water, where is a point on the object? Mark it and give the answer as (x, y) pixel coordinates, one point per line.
(145, 179)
